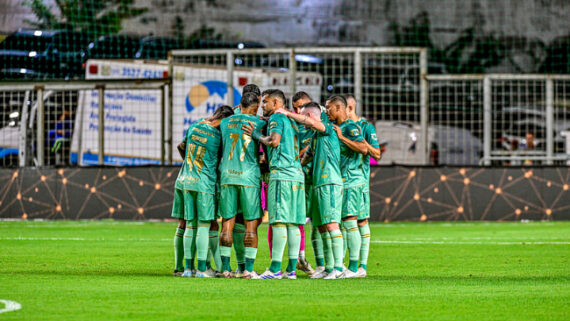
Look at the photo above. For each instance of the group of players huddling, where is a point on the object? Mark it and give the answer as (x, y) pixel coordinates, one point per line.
(314, 163)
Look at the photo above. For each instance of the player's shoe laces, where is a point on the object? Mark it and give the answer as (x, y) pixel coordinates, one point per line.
(304, 266)
(187, 274)
(227, 274)
(335, 274)
(319, 274)
(347, 274)
(290, 275)
(250, 275)
(361, 273)
(178, 273)
(270, 275)
(238, 274)
(204, 274)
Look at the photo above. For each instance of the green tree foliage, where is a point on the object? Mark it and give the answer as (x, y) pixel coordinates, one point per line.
(96, 17)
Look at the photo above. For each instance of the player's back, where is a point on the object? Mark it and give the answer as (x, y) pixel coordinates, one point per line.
(284, 161)
(202, 157)
(240, 165)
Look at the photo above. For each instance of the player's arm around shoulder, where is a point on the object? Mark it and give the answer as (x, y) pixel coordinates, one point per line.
(275, 129)
(352, 138)
(303, 120)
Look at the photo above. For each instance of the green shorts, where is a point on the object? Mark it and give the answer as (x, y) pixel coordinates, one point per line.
(352, 201)
(286, 202)
(178, 203)
(327, 208)
(199, 205)
(234, 198)
(365, 210)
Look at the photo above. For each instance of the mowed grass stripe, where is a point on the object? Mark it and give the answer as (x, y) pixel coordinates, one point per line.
(121, 271)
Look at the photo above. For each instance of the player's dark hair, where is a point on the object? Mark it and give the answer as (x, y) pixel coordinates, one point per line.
(222, 112)
(251, 88)
(266, 92)
(249, 99)
(301, 95)
(276, 93)
(338, 99)
(348, 96)
(312, 107)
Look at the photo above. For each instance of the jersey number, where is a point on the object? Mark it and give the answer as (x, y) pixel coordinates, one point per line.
(235, 137)
(195, 157)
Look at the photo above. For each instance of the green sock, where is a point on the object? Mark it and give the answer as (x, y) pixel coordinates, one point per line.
(317, 242)
(215, 249)
(364, 244)
(202, 242)
(344, 239)
(279, 242)
(179, 250)
(250, 254)
(294, 242)
(337, 244)
(190, 243)
(327, 251)
(239, 247)
(225, 254)
(353, 241)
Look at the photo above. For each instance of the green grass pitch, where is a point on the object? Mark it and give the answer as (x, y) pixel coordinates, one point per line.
(105, 270)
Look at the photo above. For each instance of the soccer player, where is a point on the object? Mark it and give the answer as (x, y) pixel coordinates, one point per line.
(178, 212)
(240, 183)
(286, 195)
(239, 227)
(369, 134)
(327, 185)
(203, 141)
(352, 150)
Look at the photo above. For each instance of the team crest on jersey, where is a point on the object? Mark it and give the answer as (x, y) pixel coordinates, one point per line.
(374, 136)
(354, 132)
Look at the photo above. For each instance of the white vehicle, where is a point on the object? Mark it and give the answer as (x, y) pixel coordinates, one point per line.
(447, 145)
(132, 117)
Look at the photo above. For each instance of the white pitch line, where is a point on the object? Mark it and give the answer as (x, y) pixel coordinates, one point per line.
(472, 243)
(10, 306)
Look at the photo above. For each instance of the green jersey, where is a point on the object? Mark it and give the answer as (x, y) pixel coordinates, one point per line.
(351, 161)
(237, 111)
(284, 161)
(202, 157)
(240, 156)
(326, 157)
(305, 137)
(369, 134)
(179, 184)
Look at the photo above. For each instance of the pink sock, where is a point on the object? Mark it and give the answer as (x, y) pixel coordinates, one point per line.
(302, 230)
(270, 239)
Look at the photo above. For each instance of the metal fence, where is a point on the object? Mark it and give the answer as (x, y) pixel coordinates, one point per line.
(518, 119)
(420, 118)
(389, 84)
(82, 122)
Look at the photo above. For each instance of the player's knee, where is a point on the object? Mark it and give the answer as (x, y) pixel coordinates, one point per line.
(214, 226)
(249, 239)
(225, 239)
(363, 222)
(181, 223)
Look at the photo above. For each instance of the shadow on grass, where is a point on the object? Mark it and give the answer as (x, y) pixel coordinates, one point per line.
(370, 278)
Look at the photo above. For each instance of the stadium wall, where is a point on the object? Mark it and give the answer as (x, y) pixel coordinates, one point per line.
(398, 193)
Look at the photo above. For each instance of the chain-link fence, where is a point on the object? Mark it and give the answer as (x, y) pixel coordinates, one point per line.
(58, 123)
